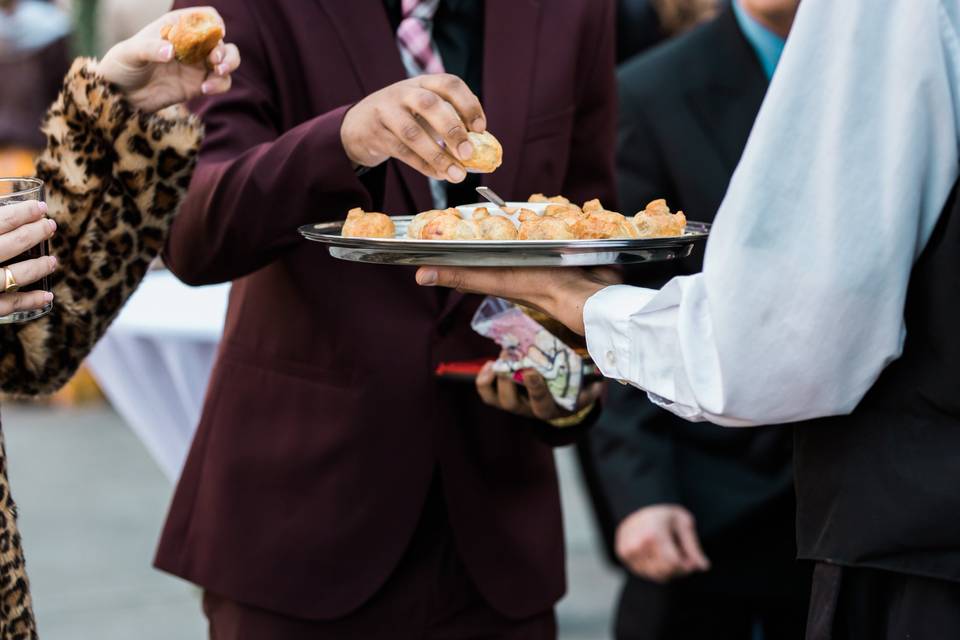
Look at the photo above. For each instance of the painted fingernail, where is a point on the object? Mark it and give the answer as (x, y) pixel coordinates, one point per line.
(217, 57)
(427, 277)
(52, 261)
(222, 69)
(479, 124)
(43, 207)
(465, 150)
(166, 52)
(456, 174)
(205, 88)
(52, 224)
(47, 296)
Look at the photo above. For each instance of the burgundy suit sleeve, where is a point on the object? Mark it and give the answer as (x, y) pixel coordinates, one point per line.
(590, 172)
(255, 183)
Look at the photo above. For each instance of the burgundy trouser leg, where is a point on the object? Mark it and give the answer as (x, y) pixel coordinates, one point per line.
(428, 597)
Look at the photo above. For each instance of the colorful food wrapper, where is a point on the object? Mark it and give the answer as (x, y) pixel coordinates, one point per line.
(528, 345)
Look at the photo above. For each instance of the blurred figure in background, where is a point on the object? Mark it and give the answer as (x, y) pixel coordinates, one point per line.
(34, 56)
(706, 514)
(642, 24)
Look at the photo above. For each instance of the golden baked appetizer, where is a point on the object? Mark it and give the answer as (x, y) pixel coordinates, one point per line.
(450, 227)
(592, 205)
(494, 227)
(487, 153)
(656, 221)
(368, 224)
(569, 213)
(193, 36)
(601, 224)
(415, 228)
(539, 197)
(526, 215)
(498, 228)
(544, 228)
(442, 224)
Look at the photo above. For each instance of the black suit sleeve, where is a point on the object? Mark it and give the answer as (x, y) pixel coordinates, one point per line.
(641, 175)
(565, 436)
(634, 459)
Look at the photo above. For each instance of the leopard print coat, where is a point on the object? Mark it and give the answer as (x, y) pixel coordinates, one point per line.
(114, 180)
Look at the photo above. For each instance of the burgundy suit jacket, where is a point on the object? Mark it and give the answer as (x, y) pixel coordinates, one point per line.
(323, 423)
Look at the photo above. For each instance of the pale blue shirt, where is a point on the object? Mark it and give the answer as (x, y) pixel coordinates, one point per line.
(766, 44)
(800, 303)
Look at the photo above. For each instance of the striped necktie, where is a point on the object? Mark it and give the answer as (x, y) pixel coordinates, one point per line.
(415, 40)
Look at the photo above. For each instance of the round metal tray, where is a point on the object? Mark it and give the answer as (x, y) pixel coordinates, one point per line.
(516, 253)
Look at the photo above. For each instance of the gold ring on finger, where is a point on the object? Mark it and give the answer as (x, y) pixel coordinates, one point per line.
(9, 282)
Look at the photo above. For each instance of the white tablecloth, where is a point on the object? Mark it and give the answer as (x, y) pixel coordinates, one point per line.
(155, 360)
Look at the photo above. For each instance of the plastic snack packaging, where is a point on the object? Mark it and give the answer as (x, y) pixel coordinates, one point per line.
(527, 344)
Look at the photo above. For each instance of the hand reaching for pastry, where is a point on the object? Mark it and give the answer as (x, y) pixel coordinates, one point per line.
(146, 67)
(402, 121)
(502, 392)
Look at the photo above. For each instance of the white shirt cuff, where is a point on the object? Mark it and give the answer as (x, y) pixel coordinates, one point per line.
(606, 319)
(632, 337)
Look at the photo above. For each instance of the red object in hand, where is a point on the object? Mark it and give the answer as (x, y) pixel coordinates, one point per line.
(463, 370)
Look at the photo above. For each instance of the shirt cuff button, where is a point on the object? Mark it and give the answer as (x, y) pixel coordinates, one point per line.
(611, 359)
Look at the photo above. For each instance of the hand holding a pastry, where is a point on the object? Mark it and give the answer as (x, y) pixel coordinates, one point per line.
(501, 392)
(433, 123)
(175, 58)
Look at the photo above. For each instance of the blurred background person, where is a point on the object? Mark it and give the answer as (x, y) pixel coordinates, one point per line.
(705, 515)
(642, 24)
(34, 56)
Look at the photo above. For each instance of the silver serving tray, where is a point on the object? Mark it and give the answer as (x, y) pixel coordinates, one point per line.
(488, 253)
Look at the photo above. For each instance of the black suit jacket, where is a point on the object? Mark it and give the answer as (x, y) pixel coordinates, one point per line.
(686, 110)
(638, 28)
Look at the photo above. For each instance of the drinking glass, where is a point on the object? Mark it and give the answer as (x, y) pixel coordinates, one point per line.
(20, 190)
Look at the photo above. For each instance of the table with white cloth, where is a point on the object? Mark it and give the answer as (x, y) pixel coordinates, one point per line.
(154, 362)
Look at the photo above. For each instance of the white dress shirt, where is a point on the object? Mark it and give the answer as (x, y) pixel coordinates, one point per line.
(800, 303)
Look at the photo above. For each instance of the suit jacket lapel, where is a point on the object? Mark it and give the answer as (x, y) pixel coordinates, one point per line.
(370, 43)
(511, 29)
(728, 107)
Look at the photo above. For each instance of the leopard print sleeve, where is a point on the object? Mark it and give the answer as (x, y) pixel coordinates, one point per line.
(114, 178)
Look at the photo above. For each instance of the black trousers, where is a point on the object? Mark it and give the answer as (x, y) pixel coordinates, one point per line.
(868, 604)
(679, 611)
